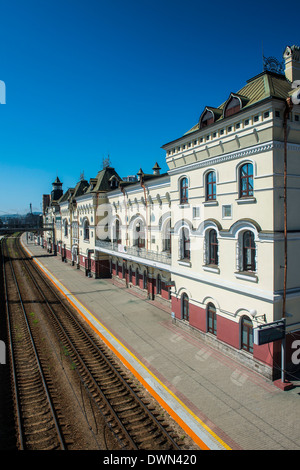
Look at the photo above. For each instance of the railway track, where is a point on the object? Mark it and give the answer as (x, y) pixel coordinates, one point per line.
(135, 422)
(36, 419)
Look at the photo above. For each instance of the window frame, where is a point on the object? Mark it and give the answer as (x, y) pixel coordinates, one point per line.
(211, 319)
(184, 191)
(86, 230)
(211, 186)
(248, 267)
(246, 330)
(213, 247)
(248, 177)
(185, 307)
(184, 241)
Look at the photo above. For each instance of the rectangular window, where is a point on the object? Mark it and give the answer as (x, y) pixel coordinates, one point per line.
(246, 122)
(229, 129)
(238, 125)
(227, 211)
(266, 114)
(214, 134)
(221, 131)
(256, 118)
(297, 117)
(277, 114)
(196, 212)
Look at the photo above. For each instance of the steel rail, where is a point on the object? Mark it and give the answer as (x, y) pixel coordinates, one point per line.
(104, 357)
(60, 438)
(11, 348)
(73, 347)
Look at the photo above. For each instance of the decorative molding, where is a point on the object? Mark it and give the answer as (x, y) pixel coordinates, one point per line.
(265, 147)
(246, 277)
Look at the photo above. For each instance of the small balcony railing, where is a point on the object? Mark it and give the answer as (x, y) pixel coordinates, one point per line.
(162, 257)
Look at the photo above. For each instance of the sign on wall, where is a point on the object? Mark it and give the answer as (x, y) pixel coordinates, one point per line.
(270, 332)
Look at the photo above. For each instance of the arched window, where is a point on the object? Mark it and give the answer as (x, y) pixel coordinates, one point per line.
(249, 251)
(247, 334)
(167, 237)
(185, 307)
(66, 228)
(184, 244)
(145, 281)
(210, 183)
(117, 234)
(158, 284)
(137, 277)
(184, 191)
(233, 106)
(246, 180)
(86, 230)
(212, 319)
(213, 247)
(139, 240)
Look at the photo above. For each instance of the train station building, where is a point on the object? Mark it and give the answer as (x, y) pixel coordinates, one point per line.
(216, 239)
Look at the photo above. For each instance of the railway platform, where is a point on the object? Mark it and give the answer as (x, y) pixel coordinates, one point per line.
(221, 404)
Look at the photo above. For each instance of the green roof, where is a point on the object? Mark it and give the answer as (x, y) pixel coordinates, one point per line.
(103, 178)
(263, 86)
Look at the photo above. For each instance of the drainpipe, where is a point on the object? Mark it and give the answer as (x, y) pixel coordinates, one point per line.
(146, 203)
(288, 108)
(124, 194)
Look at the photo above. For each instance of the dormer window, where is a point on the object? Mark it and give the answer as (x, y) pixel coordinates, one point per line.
(207, 119)
(233, 105)
(114, 182)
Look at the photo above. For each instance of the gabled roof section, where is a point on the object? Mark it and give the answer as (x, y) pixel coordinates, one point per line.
(103, 180)
(80, 188)
(66, 196)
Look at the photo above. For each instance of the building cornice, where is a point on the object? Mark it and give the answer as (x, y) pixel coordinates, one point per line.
(244, 153)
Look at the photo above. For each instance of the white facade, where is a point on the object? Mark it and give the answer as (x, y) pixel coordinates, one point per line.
(208, 237)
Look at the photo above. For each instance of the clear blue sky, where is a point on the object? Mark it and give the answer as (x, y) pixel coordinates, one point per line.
(85, 79)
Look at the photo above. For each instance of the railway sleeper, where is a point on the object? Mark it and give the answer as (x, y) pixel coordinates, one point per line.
(121, 403)
(130, 416)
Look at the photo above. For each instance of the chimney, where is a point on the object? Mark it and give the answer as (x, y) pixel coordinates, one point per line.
(291, 56)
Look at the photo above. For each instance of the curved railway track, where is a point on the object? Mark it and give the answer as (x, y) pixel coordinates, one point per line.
(135, 422)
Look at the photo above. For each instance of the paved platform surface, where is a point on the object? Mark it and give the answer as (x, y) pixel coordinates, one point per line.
(222, 404)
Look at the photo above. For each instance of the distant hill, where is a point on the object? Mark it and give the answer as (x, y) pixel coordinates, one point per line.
(18, 216)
